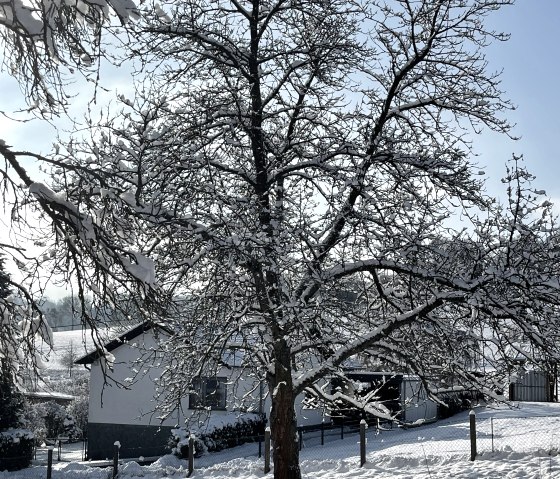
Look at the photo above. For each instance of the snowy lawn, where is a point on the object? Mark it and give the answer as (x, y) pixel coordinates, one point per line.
(526, 444)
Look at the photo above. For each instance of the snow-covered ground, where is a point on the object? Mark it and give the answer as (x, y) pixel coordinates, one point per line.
(78, 342)
(526, 443)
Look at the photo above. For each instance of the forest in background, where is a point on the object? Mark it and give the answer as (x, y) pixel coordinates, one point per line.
(64, 314)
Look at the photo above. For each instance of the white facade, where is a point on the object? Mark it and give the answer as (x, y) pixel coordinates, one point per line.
(109, 403)
(137, 405)
(123, 405)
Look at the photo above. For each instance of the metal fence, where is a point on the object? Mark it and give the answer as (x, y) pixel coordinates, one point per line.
(63, 450)
(538, 435)
(535, 436)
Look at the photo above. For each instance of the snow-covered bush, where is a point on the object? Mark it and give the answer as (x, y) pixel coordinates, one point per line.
(16, 449)
(51, 420)
(77, 386)
(55, 414)
(34, 420)
(179, 443)
(79, 409)
(216, 438)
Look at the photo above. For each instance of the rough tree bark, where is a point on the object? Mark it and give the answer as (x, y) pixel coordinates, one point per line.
(283, 418)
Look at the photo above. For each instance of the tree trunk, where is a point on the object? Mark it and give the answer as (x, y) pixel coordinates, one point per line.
(285, 452)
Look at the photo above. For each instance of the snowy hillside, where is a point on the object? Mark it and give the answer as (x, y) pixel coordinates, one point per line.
(67, 343)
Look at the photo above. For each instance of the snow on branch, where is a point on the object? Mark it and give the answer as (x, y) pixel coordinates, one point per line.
(39, 37)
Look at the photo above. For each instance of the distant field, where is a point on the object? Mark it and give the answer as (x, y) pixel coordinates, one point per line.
(79, 342)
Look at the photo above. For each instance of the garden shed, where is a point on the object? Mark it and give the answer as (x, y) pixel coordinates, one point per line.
(533, 385)
(403, 395)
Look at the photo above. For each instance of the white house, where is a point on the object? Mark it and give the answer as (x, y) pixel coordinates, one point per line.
(129, 415)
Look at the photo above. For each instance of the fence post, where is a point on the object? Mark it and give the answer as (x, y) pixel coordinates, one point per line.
(49, 462)
(472, 417)
(59, 449)
(323, 432)
(116, 459)
(191, 455)
(300, 436)
(342, 428)
(492, 431)
(267, 450)
(363, 427)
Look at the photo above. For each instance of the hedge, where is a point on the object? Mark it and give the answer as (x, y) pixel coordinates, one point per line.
(16, 449)
(230, 435)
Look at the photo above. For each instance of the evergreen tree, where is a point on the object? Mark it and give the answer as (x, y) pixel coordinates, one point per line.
(11, 400)
(4, 281)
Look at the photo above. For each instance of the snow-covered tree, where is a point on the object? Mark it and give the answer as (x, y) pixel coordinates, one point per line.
(45, 40)
(293, 169)
(45, 45)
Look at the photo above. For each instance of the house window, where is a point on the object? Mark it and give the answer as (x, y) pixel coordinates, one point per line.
(208, 393)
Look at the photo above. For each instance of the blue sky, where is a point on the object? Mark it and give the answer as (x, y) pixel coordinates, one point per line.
(531, 63)
(531, 67)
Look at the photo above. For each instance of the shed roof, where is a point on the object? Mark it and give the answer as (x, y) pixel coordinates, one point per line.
(49, 396)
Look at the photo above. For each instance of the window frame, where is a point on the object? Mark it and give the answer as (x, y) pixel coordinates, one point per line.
(208, 396)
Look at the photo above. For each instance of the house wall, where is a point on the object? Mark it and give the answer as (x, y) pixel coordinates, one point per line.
(130, 417)
(109, 403)
(136, 440)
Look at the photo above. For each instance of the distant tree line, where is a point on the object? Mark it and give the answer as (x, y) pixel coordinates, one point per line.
(65, 314)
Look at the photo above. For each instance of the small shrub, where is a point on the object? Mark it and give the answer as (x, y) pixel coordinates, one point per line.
(230, 435)
(54, 416)
(179, 443)
(16, 449)
(79, 411)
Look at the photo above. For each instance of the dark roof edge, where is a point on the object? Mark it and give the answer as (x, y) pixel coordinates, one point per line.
(119, 341)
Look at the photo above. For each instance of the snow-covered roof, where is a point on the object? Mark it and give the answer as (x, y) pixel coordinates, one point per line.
(49, 396)
(231, 357)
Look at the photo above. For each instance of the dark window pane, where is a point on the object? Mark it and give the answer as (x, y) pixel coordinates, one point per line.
(208, 393)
